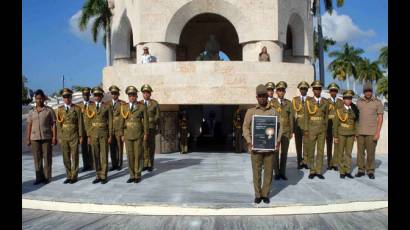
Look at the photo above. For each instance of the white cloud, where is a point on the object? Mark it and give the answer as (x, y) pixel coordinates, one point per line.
(342, 29)
(74, 29)
(376, 47)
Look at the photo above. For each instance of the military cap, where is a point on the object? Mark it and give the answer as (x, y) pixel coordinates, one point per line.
(261, 89)
(97, 90)
(146, 87)
(348, 93)
(333, 86)
(86, 90)
(270, 85)
(114, 88)
(145, 48)
(281, 85)
(66, 92)
(316, 84)
(367, 87)
(131, 89)
(303, 84)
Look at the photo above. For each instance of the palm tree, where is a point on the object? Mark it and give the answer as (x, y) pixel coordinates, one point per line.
(382, 87)
(316, 12)
(100, 13)
(338, 70)
(369, 71)
(383, 57)
(327, 42)
(346, 59)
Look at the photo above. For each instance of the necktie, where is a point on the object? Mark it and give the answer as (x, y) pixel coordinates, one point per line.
(66, 108)
(98, 106)
(132, 107)
(303, 100)
(318, 101)
(281, 101)
(146, 103)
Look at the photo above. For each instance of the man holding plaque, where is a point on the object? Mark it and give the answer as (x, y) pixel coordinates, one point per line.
(262, 157)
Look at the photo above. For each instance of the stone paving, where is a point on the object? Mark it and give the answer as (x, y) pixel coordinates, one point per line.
(213, 180)
(38, 219)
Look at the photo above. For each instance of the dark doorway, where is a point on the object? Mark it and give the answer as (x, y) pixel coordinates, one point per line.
(197, 31)
(211, 127)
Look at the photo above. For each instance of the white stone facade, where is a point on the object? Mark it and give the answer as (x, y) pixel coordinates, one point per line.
(159, 25)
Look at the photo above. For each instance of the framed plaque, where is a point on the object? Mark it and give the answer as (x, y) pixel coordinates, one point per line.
(264, 132)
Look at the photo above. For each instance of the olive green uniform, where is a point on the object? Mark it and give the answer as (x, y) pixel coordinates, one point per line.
(287, 123)
(261, 159)
(86, 151)
(135, 127)
(332, 159)
(366, 128)
(101, 129)
(345, 130)
(316, 125)
(183, 136)
(70, 130)
(298, 111)
(117, 145)
(153, 118)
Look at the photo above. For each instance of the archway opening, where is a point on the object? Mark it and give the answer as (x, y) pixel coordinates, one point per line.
(197, 32)
(295, 40)
(288, 49)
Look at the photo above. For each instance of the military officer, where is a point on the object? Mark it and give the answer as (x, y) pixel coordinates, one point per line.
(183, 134)
(153, 117)
(237, 126)
(117, 145)
(317, 111)
(270, 86)
(284, 107)
(86, 152)
(136, 127)
(100, 115)
(334, 103)
(298, 110)
(344, 131)
(70, 133)
(261, 159)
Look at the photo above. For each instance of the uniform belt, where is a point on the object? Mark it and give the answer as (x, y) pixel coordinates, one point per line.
(331, 116)
(68, 125)
(316, 118)
(94, 124)
(117, 117)
(346, 125)
(299, 115)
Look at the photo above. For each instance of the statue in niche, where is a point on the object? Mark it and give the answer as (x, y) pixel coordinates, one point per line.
(211, 52)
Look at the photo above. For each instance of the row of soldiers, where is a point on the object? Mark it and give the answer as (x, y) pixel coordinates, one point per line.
(314, 121)
(100, 127)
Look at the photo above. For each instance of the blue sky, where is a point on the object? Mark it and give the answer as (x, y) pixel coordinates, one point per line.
(52, 46)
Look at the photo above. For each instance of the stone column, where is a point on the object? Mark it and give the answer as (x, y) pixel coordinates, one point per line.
(251, 50)
(163, 52)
